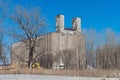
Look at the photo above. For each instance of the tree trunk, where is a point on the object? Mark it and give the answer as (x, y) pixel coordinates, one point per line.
(31, 49)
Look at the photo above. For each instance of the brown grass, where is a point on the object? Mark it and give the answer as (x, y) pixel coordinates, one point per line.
(83, 73)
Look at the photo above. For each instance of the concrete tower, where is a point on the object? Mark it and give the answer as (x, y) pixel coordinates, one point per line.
(60, 23)
(76, 24)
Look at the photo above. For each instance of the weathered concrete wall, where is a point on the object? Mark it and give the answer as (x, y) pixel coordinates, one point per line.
(20, 51)
(51, 43)
(64, 41)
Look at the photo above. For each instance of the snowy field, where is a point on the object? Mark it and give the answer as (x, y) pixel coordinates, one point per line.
(49, 77)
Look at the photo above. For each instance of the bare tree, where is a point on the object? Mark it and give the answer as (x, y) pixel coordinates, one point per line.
(29, 25)
(90, 47)
(1, 48)
(69, 59)
(107, 55)
(4, 7)
(3, 53)
(46, 60)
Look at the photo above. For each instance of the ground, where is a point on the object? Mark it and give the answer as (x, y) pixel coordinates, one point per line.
(82, 73)
(48, 77)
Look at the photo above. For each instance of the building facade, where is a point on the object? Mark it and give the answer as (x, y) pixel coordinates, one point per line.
(55, 43)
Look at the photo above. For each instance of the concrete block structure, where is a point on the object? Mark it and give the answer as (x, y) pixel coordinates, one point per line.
(59, 23)
(55, 43)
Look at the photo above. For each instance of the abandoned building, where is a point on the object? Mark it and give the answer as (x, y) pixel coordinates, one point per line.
(56, 43)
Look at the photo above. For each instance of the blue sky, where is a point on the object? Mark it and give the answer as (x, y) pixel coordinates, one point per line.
(95, 14)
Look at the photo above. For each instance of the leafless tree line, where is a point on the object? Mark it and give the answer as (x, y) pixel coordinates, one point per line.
(102, 49)
(3, 15)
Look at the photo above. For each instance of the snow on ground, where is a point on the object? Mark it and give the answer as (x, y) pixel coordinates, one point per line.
(48, 77)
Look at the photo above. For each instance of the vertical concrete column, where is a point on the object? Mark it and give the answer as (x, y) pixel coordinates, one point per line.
(76, 24)
(60, 23)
